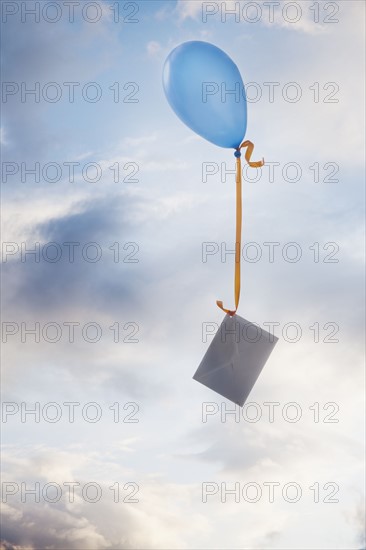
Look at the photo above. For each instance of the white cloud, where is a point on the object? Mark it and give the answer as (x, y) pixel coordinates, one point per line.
(188, 9)
(170, 452)
(139, 141)
(153, 48)
(5, 545)
(83, 156)
(150, 523)
(10, 512)
(295, 16)
(3, 140)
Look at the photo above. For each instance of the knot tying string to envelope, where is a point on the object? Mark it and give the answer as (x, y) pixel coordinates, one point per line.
(248, 153)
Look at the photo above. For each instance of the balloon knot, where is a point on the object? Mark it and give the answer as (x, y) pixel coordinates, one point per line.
(237, 154)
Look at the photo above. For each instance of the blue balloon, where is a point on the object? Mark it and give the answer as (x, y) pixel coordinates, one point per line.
(205, 89)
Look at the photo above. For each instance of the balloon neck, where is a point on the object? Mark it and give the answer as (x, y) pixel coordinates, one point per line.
(237, 153)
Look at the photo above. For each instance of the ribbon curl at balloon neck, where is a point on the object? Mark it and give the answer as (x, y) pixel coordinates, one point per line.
(253, 164)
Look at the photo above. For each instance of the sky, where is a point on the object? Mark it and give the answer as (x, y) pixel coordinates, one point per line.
(105, 323)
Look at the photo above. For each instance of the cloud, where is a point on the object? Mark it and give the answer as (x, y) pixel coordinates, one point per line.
(5, 545)
(356, 517)
(3, 140)
(140, 141)
(293, 17)
(153, 48)
(105, 524)
(187, 9)
(46, 282)
(170, 212)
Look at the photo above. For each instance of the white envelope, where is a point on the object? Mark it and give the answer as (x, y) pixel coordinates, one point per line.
(235, 358)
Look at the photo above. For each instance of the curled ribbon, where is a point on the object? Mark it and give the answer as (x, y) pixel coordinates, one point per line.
(248, 153)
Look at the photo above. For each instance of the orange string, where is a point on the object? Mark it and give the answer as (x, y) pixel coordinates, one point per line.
(248, 153)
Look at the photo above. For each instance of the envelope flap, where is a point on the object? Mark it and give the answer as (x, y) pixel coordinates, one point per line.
(223, 350)
(235, 358)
